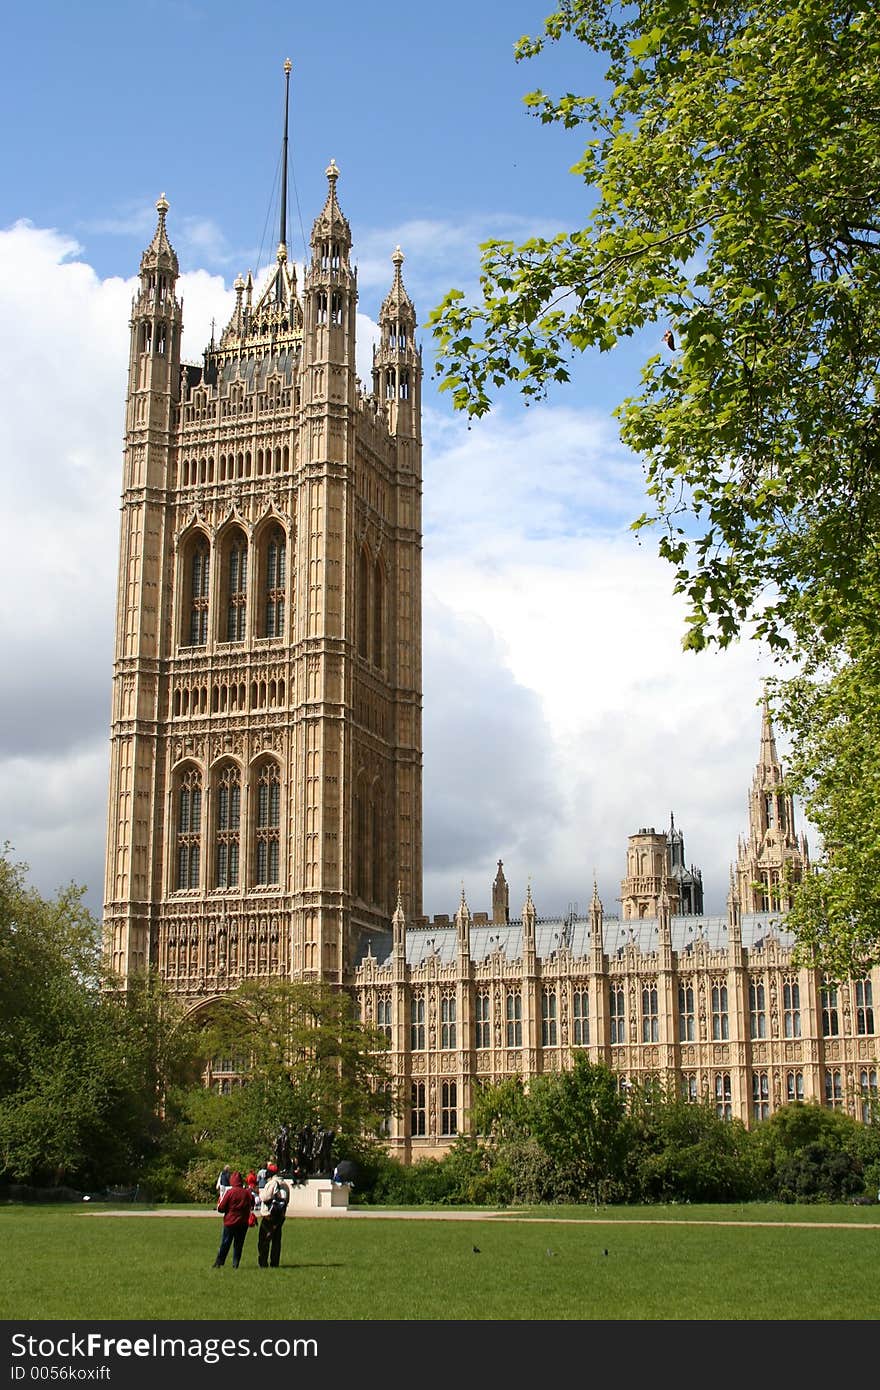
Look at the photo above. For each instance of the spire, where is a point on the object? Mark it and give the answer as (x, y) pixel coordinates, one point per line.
(160, 254)
(397, 303)
(331, 222)
(282, 236)
(500, 897)
(769, 756)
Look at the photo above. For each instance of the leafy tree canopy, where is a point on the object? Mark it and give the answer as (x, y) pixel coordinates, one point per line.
(734, 158)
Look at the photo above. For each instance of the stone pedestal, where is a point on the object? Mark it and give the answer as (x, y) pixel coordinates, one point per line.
(318, 1194)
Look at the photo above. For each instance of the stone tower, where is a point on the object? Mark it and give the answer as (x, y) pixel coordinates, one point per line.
(265, 785)
(772, 857)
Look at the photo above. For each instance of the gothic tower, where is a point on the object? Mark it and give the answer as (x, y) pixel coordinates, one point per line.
(265, 786)
(772, 858)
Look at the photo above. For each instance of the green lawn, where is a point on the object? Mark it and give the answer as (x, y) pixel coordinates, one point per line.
(73, 1264)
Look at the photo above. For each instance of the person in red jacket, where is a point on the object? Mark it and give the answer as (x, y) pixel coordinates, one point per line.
(236, 1204)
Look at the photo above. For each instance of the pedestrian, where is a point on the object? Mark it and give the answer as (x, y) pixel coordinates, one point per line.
(223, 1180)
(274, 1198)
(236, 1205)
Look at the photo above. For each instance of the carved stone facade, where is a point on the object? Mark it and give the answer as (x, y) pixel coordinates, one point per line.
(265, 788)
(710, 1006)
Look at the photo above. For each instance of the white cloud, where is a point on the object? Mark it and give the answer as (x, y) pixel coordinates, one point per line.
(560, 713)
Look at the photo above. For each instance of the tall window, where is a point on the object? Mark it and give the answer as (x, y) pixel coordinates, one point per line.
(616, 1014)
(417, 1023)
(236, 588)
(791, 1007)
(757, 1010)
(383, 1015)
(378, 615)
(581, 1017)
(189, 828)
(226, 845)
(723, 1096)
(760, 1095)
(417, 1112)
(448, 1017)
(363, 604)
(650, 1022)
(513, 1018)
(268, 827)
(833, 1089)
(548, 1018)
(199, 575)
(830, 1018)
(448, 1107)
(868, 1088)
(276, 576)
(483, 1029)
(685, 1013)
(720, 1028)
(689, 1090)
(864, 1007)
(794, 1085)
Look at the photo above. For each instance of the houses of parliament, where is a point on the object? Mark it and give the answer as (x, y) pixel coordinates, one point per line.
(265, 806)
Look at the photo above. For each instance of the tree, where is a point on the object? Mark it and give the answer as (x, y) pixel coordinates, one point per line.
(306, 1059)
(735, 162)
(734, 159)
(578, 1117)
(82, 1066)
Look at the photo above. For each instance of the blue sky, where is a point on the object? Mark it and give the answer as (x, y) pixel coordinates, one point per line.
(560, 713)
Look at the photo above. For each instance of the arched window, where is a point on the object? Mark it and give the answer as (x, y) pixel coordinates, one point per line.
(363, 604)
(189, 828)
(376, 847)
(378, 616)
(235, 584)
(360, 838)
(198, 565)
(228, 821)
(276, 578)
(267, 848)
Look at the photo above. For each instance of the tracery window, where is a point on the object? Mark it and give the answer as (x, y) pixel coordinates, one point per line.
(616, 1013)
(723, 1096)
(686, 1013)
(189, 828)
(448, 1019)
(760, 1095)
(791, 1007)
(226, 843)
(830, 1016)
(417, 1111)
(794, 1085)
(720, 1025)
(864, 1007)
(548, 1018)
(513, 1018)
(833, 1089)
(267, 848)
(378, 616)
(757, 1010)
(448, 1107)
(689, 1090)
(650, 1021)
(417, 1022)
(581, 1017)
(199, 566)
(276, 579)
(236, 588)
(383, 1015)
(483, 1031)
(868, 1088)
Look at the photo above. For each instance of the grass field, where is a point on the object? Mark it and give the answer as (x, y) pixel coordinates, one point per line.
(69, 1263)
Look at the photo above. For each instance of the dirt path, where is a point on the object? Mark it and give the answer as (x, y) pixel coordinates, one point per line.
(363, 1214)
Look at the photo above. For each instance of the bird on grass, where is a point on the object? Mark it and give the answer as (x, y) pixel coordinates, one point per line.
(476, 1249)
(604, 1252)
(551, 1252)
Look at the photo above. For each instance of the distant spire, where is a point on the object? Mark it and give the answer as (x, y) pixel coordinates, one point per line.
(282, 239)
(160, 254)
(769, 756)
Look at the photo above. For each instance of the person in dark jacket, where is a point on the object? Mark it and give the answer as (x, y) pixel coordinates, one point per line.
(274, 1198)
(236, 1205)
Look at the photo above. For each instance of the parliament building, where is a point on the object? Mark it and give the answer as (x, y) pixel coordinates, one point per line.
(265, 808)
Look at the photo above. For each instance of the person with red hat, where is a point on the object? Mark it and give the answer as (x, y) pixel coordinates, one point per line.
(274, 1198)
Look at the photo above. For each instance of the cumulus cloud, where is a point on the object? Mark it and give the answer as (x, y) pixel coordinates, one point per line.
(560, 712)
